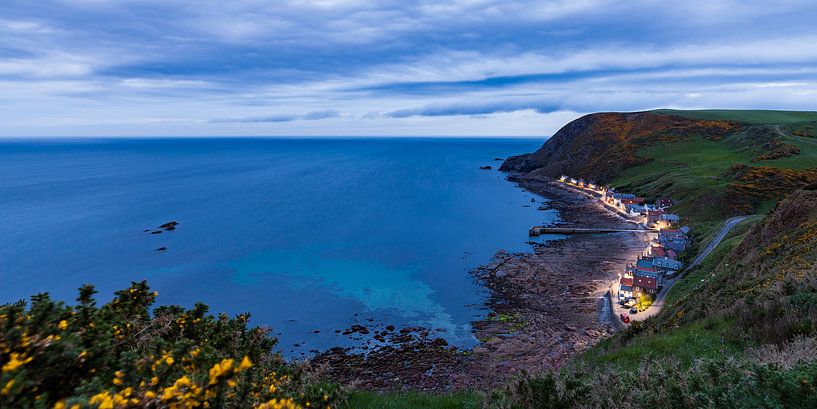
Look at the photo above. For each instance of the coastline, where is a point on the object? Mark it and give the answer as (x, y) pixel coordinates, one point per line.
(545, 306)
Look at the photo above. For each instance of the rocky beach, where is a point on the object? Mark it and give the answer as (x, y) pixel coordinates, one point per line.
(545, 306)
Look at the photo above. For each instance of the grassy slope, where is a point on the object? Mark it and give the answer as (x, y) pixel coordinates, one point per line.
(696, 171)
(748, 116)
(412, 400)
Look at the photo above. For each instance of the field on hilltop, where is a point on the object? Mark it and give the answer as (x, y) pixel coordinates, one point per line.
(756, 116)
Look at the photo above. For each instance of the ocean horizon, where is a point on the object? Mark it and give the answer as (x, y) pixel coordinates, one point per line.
(308, 235)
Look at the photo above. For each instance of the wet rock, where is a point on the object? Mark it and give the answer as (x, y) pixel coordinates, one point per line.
(156, 232)
(169, 225)
(486, 167)
(163, 248)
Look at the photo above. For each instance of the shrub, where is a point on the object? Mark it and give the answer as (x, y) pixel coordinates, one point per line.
(121, 355)
(722, 382)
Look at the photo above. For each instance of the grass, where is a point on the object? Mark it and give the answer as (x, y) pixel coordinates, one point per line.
(747, 116)
(805, 160)
(693, 279)
(701, 339)
(683, 171)
(698, 173)
(412, 400)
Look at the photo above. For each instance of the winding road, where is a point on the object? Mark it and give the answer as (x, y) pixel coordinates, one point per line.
(715, 241)
(659, 300)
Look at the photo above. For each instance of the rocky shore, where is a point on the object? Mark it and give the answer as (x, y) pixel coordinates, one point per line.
(544, 308)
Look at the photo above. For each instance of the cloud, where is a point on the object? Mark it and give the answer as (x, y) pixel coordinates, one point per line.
(119, 65)
(309, 116)
(474, 109)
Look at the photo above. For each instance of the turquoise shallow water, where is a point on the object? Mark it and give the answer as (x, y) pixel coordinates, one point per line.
(305, 234)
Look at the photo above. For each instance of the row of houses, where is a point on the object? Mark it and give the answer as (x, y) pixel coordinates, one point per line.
(658, 264)
(656, 213)
(660, 260)
(581, 183)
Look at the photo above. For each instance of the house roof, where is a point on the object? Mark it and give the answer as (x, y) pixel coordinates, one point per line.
(645, 282)
(625, 281)
(665, 201)
(659, 252)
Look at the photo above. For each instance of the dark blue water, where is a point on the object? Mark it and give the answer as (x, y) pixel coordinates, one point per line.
(303, 234)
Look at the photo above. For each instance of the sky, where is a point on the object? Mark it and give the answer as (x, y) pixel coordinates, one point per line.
(390, 68)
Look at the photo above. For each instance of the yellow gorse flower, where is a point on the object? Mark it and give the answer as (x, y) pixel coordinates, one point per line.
(279, 404)
(16, 360)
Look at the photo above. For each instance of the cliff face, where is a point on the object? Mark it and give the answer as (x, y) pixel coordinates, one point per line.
(597, 146)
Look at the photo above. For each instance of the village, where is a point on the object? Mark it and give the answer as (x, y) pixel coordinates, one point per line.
(645, 281)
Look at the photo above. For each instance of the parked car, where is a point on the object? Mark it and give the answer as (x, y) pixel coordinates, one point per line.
(630, 303)
(634, 310)
(625, 318)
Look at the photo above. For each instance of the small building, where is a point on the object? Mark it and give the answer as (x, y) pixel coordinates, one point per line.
(663, 202)
(617, 195)
(666, 264)
(654, 215)
(676, 233)
(674, 243)
(670, 217)
(644, 285)
(563, 178)
(635, 209)
(645, 262)
(625, 288)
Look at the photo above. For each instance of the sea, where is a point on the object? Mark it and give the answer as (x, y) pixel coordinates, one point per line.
(309, 236)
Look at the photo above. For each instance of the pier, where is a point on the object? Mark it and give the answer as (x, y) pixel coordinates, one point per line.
(540, 230)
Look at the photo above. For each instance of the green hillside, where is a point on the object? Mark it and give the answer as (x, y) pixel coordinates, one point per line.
(748, 116)
(744, 172)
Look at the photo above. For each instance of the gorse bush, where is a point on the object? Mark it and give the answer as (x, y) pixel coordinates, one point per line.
(724, 382)
(122, 355)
